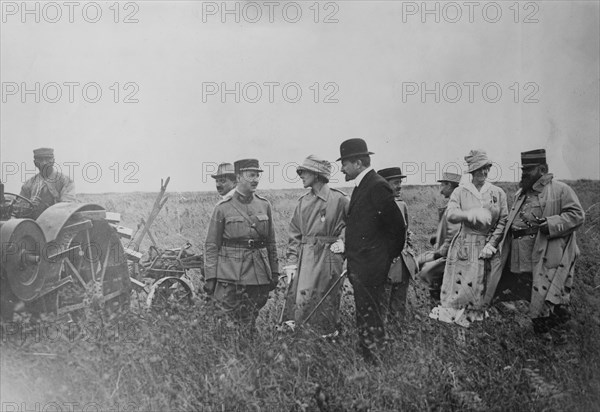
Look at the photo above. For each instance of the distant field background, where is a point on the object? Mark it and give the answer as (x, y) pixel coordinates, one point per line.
(186, 362)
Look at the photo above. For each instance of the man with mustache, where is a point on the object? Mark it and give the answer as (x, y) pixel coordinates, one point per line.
(49, 186)
(375, 235)
(225, 179)
(404, 267)
(240, 265)
(539, 245)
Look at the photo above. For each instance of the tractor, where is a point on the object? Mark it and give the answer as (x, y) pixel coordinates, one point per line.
(66, 260)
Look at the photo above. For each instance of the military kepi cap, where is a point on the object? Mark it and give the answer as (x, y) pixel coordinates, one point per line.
(224, 169)
(353, 147)
(533, 158)
(391, 173)
(246, 164)
(43, 152)
(450, 177)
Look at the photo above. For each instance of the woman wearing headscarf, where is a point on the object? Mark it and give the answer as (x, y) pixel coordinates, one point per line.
(315, 250)
(481, 209)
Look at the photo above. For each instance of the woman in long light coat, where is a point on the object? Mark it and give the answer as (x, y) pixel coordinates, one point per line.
(481, 209)
(315, 250)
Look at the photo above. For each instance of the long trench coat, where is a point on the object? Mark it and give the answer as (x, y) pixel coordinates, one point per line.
(554, 254)
(318, 222)
(466, 277)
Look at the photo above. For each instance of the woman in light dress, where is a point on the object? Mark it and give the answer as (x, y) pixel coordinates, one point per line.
(481, 209)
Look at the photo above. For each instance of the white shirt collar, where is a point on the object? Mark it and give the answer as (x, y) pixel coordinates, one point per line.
(228, 194)
(361, 175)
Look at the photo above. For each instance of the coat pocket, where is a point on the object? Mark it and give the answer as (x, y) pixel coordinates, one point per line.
(263, 225)
(235, 227)
(554, 252)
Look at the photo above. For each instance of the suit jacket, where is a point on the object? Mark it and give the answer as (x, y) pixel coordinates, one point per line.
(375, 230)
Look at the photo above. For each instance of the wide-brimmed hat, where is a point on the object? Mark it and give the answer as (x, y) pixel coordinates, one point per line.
(353, 147)
(43, 152)
(533, 158)
(450, 177)
(224, 169)
(476, 159)
(391, 173)
(246, 164)
(316, 165)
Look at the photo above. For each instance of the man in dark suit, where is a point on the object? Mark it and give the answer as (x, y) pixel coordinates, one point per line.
(375, 234)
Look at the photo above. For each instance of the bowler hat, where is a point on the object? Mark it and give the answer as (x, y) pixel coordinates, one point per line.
(246, 164)
(353, 147)
(391, 173)
(43, 152)
(224, 169)
(450, 177)
(476, 159)
(316, 165)
(533, 158)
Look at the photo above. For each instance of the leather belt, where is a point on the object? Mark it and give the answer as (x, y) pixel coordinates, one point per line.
(245, 243)
(530, 231)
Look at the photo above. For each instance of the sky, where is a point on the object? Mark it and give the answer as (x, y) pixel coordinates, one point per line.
(128, 93)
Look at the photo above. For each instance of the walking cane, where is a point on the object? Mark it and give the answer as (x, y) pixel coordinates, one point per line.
(312, 312)
(287, 290)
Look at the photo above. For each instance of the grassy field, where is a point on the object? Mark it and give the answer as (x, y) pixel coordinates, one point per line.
(187, 361)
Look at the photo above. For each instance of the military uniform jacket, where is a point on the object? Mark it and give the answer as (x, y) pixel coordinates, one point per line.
(240, 245)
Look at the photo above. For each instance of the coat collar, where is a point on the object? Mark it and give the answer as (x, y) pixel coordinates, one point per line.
(322, 194)
(477, 193)
(542, 181)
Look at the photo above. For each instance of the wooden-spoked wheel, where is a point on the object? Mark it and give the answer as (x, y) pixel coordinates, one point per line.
(169, 294)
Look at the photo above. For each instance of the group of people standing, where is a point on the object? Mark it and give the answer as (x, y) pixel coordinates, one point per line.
(526, 252)
(481, 251)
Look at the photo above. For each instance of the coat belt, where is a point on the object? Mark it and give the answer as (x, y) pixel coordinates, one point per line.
(245, 243)
(312, 240)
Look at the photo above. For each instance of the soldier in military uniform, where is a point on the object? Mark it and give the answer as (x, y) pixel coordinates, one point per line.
(240, 250)
(49, 186)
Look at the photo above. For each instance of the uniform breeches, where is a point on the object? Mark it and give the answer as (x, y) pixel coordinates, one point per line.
(241, 302)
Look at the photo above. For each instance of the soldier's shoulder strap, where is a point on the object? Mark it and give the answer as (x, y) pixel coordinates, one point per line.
(261, 197)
